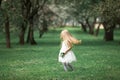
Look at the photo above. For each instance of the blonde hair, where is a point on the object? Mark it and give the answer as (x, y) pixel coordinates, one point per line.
(65, 35)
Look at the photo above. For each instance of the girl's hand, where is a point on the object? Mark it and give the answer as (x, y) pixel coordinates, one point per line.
(62, 54)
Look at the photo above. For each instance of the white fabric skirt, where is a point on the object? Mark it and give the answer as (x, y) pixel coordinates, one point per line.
(68, 58)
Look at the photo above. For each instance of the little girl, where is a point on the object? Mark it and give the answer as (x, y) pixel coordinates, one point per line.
(66, 55)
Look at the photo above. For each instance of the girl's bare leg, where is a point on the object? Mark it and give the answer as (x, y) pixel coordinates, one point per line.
(70, 66)
(65, 66)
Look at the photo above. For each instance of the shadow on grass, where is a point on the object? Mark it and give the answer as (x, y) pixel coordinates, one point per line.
(50, 43)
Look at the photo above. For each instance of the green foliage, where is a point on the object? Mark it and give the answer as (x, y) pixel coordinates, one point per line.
(2, 19)
(109, 11)
(96, 59)
(12, 9)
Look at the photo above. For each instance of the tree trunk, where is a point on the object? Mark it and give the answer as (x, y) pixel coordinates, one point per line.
(22, 34)
(97, 30)
(41, 32)
(44, 27)
(32, 40)
(83, 26)
(108, 35)
(30, 37)
(91, 28)
(7, 32)
(0, 3)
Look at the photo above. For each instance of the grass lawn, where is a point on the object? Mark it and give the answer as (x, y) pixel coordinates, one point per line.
(96, 59)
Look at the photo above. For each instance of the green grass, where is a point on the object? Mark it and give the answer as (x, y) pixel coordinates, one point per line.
(96, 59)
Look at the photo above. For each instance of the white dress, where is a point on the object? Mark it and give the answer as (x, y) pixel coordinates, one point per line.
(69, 56)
